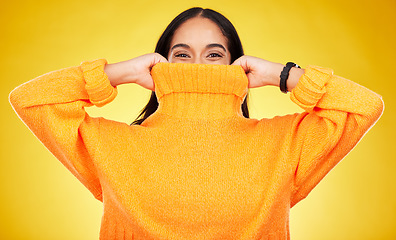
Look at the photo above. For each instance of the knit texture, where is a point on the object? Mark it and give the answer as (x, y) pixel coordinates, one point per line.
(196, 168)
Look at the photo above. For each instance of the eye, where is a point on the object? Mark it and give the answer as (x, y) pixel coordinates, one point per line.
(181, 55)
(214, 55)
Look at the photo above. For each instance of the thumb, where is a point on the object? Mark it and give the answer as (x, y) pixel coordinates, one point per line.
(162, 59)
(159, 58)
(237, 62)
(154, 59)
(242, 61)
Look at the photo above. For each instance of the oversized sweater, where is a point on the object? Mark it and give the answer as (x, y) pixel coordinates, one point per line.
(196, 168)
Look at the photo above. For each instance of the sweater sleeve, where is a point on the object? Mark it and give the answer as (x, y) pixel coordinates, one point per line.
(338, 112)
(52, 107)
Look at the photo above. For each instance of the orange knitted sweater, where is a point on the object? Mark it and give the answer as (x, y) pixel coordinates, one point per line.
(196, 168)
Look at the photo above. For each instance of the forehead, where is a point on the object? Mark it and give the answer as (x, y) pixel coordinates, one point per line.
(198, 31)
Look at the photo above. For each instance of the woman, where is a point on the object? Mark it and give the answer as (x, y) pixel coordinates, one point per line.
(196, 166)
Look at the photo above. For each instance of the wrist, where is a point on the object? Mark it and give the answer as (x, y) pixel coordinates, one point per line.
(119, 73)
(113, 74)
(289, 77)
(294, 76)
(275, 74)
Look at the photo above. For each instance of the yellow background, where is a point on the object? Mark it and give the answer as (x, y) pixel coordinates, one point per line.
(40, 199)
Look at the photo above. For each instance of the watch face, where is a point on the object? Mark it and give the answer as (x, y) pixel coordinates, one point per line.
(292, 64)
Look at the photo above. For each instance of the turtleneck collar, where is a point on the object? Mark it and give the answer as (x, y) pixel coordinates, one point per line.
(199, 91)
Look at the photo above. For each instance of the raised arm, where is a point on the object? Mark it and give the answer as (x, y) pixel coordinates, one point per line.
(52, 107)
(338, 112)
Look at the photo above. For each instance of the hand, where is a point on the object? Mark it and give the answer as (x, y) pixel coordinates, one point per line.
(260, 72)
(136, 70)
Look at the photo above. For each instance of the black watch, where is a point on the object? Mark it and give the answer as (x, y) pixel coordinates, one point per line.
(285, 75)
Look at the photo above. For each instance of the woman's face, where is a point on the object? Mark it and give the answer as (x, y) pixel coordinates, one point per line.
(199, 40)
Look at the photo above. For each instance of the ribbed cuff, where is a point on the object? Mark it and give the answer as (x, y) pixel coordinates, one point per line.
(311, 87)
(98, 86)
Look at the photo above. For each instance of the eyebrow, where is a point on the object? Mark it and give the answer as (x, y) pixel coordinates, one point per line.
(216, 45)
(207, 46)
